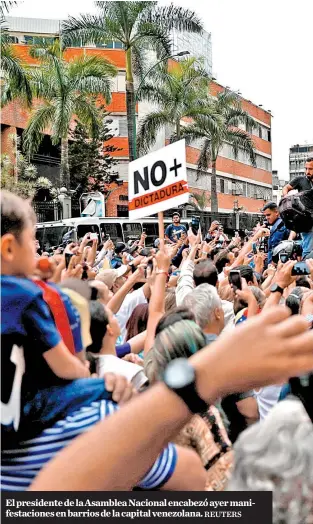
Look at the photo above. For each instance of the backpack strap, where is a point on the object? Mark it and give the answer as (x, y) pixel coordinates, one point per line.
(58, 310)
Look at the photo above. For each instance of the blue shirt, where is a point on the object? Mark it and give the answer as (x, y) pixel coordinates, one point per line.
(20, 466)
(173, 230)
(27, 332)
(278, 233)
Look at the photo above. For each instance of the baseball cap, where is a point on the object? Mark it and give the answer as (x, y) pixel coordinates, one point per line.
(108, 276)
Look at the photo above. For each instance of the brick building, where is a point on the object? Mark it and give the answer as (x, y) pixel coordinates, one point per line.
(239, 184)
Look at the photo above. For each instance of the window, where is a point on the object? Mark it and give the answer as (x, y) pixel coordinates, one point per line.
(109, 45)
(28, 39)
(152, 232)
(124, 197)
(13, 39)
(269, 138)
(260, 132)
(118, 45)
(114, 231)
(131, 231)
(222, 185)
(88, 228)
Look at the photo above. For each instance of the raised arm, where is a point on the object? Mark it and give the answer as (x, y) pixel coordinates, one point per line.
(282, 347)
(117, 300)
(157, 301)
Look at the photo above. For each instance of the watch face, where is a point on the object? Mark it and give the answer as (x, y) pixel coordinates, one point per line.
(179, 373)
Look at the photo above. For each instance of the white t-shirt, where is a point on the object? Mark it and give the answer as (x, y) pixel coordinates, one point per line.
(130, 302)
(267, 398)
(112, 364)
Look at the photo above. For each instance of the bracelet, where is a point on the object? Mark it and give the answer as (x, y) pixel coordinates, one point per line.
(160, 271)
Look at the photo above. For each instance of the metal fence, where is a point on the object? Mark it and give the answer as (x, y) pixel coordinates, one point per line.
(48, 211)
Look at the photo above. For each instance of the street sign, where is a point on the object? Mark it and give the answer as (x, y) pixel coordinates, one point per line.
(158, 181)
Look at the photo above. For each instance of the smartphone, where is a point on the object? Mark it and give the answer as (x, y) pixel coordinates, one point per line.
(300, 268)
(144, 231)
(283, 257)
(195, 223)
(254, 248)
(149, 268)
(68, 257)
(93, 236)
(235, 279)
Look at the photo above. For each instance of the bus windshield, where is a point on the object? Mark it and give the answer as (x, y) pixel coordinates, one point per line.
(51, 236)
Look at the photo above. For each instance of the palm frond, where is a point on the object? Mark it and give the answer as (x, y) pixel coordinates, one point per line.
(84, 30)
(15, 76)
(39, 121)
(172, 16)
(149, 127)
(5, 6)
(205, 157)
(88, 113)
(241, 141)
(200, 201)
(138, 61)
(92, 75)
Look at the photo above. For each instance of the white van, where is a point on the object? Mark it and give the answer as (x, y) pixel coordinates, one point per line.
(51, 234)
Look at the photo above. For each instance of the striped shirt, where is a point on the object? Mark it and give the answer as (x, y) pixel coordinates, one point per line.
(19, 467)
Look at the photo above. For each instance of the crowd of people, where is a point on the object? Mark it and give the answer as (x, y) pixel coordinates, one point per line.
(173, 366)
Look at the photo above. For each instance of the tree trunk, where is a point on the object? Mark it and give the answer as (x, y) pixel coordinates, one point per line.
(130, 107)
(65, 168)
(178, 129)
(214, 200)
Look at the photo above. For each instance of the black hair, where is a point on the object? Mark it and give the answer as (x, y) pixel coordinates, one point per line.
(176, 214)
(16, 214)
(270, 205)
(293, 300)
(221, 260)
(303, 282)
(173, 316)
(205, 273)
(246, 272)
(309, 159)
(99, 321)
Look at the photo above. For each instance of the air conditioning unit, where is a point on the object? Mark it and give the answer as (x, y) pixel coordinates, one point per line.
(236, 192)
(275, 188)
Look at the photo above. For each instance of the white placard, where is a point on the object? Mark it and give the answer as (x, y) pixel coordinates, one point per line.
(158, 181)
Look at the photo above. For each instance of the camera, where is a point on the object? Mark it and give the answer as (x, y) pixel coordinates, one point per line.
(292, 250)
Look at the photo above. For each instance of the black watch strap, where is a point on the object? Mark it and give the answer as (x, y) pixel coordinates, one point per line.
(191, 398)
(179, 376)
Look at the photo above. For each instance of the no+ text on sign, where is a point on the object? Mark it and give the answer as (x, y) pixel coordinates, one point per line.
(158, 181)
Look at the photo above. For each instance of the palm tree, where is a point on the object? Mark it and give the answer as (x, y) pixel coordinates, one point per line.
(65, 90)
(222, 128)
(199, 202)
(181, 91)
(138, 26)
(13, 75)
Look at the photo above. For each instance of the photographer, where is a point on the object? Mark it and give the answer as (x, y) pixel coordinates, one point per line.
(303, 183)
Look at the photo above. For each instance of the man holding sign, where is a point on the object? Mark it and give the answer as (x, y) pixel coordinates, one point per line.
(158, 181)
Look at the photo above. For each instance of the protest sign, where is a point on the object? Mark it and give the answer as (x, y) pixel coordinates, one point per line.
(158, 181)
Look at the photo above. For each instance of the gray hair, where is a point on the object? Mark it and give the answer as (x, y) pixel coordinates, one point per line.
(202, 301)
(276, 455)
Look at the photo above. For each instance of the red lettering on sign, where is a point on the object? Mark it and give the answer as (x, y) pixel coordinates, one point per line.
(176, 189)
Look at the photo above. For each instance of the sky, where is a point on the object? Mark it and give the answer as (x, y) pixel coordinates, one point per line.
(263, 49)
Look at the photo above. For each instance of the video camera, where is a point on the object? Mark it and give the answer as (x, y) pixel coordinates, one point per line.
(287, 250)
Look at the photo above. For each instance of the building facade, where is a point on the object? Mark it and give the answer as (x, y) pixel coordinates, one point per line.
(239, 184)
(298, 156)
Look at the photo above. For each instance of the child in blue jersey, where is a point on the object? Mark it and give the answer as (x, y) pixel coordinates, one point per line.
(34, 358)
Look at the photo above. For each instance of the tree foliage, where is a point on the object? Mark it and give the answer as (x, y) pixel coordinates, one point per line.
(90, 159)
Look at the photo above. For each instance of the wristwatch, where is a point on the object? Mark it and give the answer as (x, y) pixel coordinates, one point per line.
(180, 377)
(275, 288)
